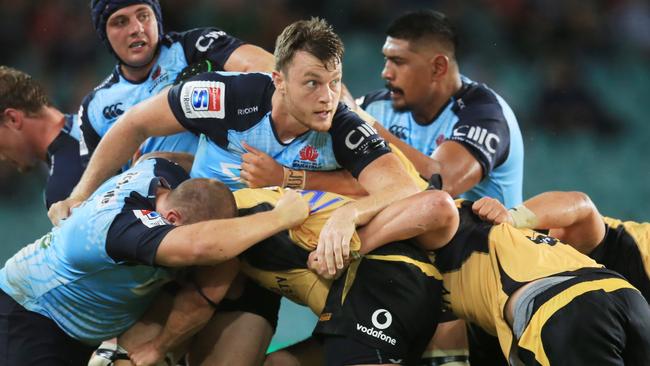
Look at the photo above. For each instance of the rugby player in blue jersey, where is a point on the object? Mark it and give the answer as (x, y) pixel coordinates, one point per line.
(150, 60)
(32, 130)
(94, 276)
(445, 123)
(293, 115)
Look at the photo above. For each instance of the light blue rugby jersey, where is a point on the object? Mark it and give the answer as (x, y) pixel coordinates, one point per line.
(480, 120)
(101, 108)
(94, 275)
(232, 108)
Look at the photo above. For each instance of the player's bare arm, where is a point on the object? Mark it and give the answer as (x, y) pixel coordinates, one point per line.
(216, 241)
(386, 182)
(152, 117)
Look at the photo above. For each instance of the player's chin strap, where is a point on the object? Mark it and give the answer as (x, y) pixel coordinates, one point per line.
(109, 352)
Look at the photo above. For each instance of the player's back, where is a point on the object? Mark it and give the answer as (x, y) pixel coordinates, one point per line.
(69, 276)
(626, 250)
(484, 264)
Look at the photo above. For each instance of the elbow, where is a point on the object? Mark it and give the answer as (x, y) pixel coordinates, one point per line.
(583, 203)
(440, 206)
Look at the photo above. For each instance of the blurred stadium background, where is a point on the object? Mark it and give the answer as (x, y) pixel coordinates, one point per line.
(576, 73)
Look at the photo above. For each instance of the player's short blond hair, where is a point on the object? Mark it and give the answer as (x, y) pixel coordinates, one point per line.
(314, 36)
(201, 199)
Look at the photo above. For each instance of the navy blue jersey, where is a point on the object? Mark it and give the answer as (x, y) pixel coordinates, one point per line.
(64, 162)
(231, 108)
(101, 108)
(95, 275)
(477, 118)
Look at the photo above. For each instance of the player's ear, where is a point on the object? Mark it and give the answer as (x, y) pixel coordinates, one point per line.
(278, 81)
(439, 66)
(174, 217)
(13, 118)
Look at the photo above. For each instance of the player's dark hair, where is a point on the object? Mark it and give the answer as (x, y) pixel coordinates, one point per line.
(20, 91)
(422, 24)
(315, 36)
(203, 199)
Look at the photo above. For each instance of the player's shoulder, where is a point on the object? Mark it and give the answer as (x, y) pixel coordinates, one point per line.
(380, 95)
(191, 35)
(477, 100)
(105, 86)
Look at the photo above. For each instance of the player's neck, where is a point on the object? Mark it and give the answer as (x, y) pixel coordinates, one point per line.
(432, 108)
(137, 74)
(48, 126)
(286, 125)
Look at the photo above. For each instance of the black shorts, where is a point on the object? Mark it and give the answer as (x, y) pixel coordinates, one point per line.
(605, 322)
(256, 300)
(389, 300)
(484, 348)
(28, 338)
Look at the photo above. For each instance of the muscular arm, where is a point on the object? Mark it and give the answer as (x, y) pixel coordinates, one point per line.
(152, 117)
(190, 311)
(215, 241)
(249, 58)
(430, 216)
(386, 181)
(459, 169)
(571, 217)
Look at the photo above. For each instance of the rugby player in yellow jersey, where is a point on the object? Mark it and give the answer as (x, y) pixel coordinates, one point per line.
(547, 303)
(382, 310)
(622, 246)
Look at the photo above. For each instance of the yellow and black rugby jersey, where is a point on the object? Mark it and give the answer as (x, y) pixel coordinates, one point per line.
(279, 263)
(321, 206)
(626, 250)
(410, 168)
(484, 264)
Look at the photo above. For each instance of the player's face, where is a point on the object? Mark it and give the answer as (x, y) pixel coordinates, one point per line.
(15, 149)
(312, 90)
(133, 34)
(407, 74)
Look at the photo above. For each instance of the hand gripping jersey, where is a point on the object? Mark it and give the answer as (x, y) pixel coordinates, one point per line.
(101, 108)
(626, 250)
(484, 264)
(475, 117)
(232, 108)
(95, 274)
(280, 263)
(64, 162)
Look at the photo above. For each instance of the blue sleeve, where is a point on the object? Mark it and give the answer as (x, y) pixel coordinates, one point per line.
(208, 44)
(355, 143)
(89, 138)
(135, 234)
(210, 103)
(65, 169)
(484, 132)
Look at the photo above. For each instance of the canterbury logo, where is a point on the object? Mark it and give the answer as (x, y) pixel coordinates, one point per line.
(480, 135)
(352, 141)
(400, 131)
(112, 111)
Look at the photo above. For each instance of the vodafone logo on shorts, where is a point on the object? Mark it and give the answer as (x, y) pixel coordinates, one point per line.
(203, 99)
(381, 319)
(382, 324)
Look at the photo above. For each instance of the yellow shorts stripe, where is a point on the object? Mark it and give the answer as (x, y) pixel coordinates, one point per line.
(426, 268)
(531, 339)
